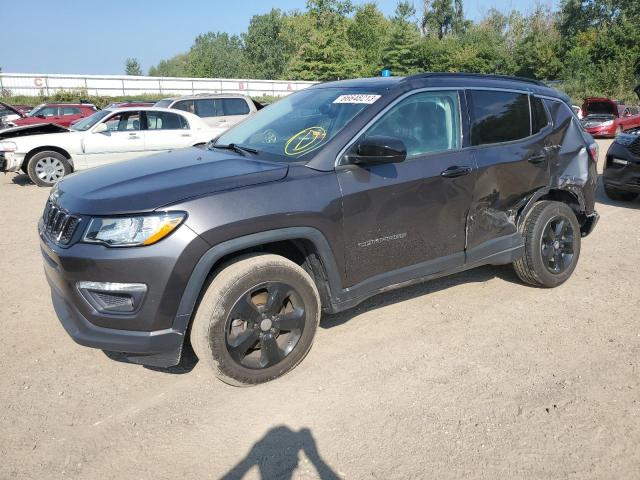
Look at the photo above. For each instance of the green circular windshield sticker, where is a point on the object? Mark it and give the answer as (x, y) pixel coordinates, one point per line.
(305, 140)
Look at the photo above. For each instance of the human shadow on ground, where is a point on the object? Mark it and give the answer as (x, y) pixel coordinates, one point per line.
(276, 455)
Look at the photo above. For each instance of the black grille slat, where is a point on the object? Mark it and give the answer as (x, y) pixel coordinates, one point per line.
(58, 224)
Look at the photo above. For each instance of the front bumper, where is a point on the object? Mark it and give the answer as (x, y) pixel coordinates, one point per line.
(622, 177)
(10, 162)
(153, 334)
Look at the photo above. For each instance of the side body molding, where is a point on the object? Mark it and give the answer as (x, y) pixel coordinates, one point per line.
(209, 259)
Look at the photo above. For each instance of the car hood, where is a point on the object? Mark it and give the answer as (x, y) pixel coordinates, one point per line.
(37, 129)
(149, 183)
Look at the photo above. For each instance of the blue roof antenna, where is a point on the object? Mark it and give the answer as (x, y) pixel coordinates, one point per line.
(385, 73)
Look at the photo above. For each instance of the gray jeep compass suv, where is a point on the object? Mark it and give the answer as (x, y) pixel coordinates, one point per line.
(319, 201)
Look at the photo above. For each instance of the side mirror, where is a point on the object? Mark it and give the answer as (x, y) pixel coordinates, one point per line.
(378, 149)
(100, 128)
(40, 115)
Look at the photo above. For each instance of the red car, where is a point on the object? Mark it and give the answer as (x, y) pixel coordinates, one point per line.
(63, 114)
(602, 117)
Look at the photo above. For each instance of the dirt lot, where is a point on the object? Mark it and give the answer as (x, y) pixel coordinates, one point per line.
(471, 376)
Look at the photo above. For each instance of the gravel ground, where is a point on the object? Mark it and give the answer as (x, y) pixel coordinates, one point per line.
(470, 376)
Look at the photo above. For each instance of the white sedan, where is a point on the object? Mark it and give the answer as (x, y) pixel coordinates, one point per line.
(107, 136)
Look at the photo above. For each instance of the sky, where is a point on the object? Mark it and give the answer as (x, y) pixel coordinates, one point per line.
(94, 37)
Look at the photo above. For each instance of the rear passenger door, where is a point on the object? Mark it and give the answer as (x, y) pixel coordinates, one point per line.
(210, 110)
(166, 131)
(512, 150)
(235, 110)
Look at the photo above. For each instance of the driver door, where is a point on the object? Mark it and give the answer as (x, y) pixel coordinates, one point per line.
(405, 220)
(123, 140)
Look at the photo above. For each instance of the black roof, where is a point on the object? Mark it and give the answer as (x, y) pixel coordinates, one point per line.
(444, 79)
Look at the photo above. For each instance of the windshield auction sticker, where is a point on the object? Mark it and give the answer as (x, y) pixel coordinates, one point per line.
(305, 140)
(357, 98)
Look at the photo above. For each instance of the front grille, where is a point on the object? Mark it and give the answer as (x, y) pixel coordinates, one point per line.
(635, 147)
(58, 225)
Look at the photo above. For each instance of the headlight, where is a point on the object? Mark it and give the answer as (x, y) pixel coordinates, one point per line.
(607, 123)
(132, 231)
(8, 147)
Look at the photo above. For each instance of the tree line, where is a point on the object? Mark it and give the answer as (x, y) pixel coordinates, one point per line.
(589, 47)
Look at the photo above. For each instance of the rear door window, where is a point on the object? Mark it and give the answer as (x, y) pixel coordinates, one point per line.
(498, 117)
(209, 107)
(166, 121)
(70, 111)
(235, 106)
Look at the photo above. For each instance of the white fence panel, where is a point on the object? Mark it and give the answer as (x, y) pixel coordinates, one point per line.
(123, 85)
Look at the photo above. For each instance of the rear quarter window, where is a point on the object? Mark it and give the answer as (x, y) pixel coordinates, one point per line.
(498, 117)
(539, 117)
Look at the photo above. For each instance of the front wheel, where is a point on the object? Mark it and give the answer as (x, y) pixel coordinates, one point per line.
(552, 245)
(257, 319)
(46, 168)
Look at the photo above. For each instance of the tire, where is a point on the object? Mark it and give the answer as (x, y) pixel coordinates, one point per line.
(46, 168)
(619, 195)
(236, 342)
(552, 245)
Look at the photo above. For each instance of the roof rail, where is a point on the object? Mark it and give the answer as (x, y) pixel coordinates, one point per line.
(474, 75)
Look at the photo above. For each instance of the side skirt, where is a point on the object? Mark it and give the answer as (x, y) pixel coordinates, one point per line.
(498, 251)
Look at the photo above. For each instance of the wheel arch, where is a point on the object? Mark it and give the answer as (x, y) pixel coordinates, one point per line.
(47, 148)
(571, 196)
(305, 246)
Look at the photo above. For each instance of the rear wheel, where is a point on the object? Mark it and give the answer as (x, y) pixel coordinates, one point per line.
(552, 245)
(619, 195)
(257, 320)
(46, 168)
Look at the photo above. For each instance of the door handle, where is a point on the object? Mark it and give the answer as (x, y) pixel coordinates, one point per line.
(185, 135)
(537, 158)
(455, 171)
(133, 136)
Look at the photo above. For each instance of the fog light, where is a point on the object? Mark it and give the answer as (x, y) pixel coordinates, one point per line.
(114, 298)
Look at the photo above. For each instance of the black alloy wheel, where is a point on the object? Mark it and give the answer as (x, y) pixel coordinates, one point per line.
(265, 325)
(557, 244)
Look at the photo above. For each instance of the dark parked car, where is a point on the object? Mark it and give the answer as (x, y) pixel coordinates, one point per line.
(622, 167)
(328, 197)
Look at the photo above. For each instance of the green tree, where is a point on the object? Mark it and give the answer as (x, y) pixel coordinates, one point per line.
(325, 53)
(132, 67)
(368, 34)
(266, 47)
(173, 67)
(401, 54)
(537, 54)
(443, 17)
(217, 55)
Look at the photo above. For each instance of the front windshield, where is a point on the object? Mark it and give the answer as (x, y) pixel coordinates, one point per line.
(301, 123)
(88, 122)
